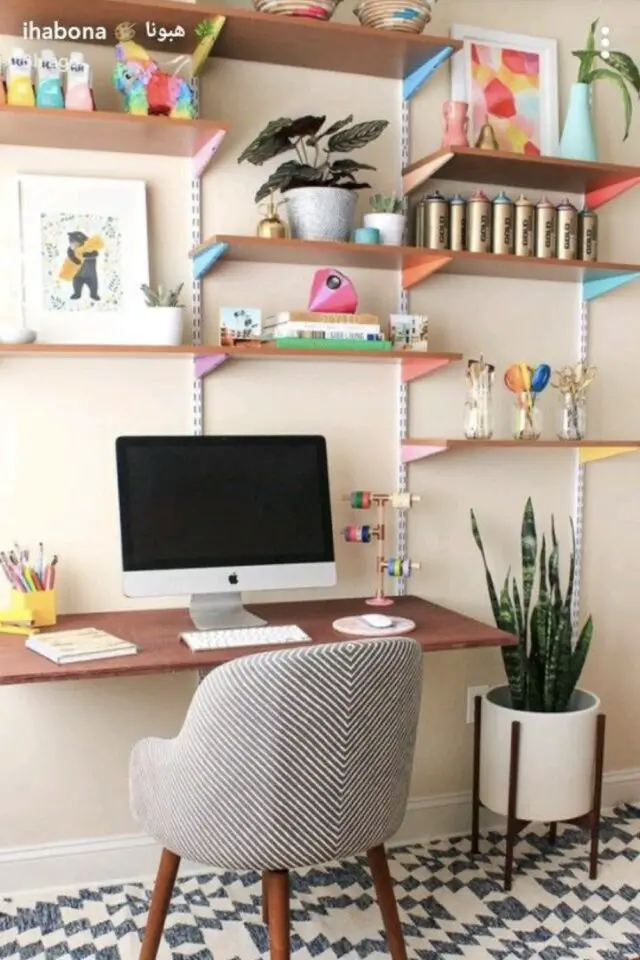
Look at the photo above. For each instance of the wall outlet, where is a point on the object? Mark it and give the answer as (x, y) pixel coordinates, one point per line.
(472, 693)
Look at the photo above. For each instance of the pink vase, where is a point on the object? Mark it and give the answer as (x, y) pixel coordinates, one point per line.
(455, 123)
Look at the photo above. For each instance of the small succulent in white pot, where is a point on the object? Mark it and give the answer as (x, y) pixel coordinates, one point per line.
(387, 218)
(164, 320)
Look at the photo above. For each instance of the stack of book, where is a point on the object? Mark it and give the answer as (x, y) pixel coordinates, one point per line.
(76, 646)
(333, 331)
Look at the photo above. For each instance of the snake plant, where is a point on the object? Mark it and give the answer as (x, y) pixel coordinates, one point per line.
(544, 667)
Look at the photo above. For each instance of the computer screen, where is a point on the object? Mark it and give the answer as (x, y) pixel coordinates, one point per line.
(213, 516)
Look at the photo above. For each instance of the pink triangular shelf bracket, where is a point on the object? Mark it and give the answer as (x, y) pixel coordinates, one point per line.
(598, 196)
(206, 153)
(204, 364)
(418, 451)
(414, 366)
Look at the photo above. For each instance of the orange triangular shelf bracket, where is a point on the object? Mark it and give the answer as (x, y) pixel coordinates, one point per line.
(414, 367)
(418, 267)
(591, 454)
(423, 170)
(598, 196)
(418, 451)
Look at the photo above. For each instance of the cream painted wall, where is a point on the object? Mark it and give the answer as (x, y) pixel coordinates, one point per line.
(65, 747)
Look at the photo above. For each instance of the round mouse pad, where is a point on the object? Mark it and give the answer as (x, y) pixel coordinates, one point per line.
(357, 627)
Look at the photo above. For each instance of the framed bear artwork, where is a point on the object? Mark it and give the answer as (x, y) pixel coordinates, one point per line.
(84, 256)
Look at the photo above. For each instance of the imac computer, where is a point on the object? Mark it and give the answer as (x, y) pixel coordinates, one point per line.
(212, 516)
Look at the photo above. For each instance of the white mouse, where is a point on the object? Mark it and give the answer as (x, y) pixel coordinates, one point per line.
(377, 621)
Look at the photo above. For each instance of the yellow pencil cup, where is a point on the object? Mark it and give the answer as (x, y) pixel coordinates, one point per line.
(39, 605)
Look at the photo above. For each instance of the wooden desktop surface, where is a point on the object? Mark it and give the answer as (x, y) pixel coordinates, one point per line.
(156, 634)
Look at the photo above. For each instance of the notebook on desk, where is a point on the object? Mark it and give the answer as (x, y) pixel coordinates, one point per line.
(77, 646)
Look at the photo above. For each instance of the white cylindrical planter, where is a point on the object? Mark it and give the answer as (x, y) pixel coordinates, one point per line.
(320, 213)
(390, 225)
(556, 757)
(158, 327)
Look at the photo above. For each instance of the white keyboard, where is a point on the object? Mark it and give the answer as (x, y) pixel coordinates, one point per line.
(198, 640)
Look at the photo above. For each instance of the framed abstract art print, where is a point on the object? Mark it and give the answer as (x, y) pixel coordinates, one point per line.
(511, 81)
(84, 255)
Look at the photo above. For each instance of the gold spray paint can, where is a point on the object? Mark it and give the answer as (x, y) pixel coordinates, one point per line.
(458, 224)
(545, 229)
(502, 232)
(524, 227)
(420, 223)
(437, 222)
(567, 231)
(479, 223)
(588, 235)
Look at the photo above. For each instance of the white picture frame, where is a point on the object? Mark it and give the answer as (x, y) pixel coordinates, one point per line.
(508, 133)
(75, 290)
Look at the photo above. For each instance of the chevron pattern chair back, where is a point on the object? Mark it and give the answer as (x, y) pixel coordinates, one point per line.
(285, 759)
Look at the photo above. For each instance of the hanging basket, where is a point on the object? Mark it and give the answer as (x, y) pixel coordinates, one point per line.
(410, 16)
(312, 9)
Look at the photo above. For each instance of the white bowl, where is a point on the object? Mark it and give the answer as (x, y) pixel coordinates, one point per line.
(17, 335)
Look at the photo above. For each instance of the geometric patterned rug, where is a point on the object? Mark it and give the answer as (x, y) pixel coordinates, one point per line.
(452, 905)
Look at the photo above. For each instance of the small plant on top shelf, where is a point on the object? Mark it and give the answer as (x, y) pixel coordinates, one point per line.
(320, 191)
(578, 137)
(159, 297)
(382, 203)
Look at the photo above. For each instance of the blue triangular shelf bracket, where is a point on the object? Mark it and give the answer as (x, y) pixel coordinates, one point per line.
(205, 257)
(594, 286)
(418, 77)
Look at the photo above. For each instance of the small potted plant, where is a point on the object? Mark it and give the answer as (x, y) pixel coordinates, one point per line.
(164, 324)
(387, 218)
(320, 191)
(558, 721)
(578, 141)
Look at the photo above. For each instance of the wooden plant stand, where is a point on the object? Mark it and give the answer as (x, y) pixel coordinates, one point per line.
(589, 821)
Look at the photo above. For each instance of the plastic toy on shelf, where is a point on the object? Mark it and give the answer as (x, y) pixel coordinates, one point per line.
(399, 567)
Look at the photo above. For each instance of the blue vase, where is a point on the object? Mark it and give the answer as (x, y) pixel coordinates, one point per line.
(578, 141)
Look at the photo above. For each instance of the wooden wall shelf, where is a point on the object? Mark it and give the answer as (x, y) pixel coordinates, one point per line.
(209, 357)
(417, 264)
(598, 182)
(106, 131)
(262, 38)
(418, 448)
(527, 268)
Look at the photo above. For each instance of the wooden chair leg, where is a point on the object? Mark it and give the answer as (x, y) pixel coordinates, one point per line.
(160, 900)
(265, 901)
(383, 883)
(276, 886)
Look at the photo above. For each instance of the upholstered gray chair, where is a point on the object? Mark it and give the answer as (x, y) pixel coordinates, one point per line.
(286, 759)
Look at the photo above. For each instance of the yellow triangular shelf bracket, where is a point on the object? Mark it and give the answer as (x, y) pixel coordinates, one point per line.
(591, 454)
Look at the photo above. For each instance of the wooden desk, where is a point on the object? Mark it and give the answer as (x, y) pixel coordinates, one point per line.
(156, 634)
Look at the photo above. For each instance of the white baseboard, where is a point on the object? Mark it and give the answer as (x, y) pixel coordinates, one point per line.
(112, 859)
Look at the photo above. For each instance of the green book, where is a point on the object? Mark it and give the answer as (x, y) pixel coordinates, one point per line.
(308, 343)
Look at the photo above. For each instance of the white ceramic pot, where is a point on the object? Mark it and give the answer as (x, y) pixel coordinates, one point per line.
(390, 225)
(320, 213)
(158, 327)
(556, 763)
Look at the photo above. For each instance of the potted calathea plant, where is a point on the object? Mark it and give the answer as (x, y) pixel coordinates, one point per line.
(557, 719)
(320, 190)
